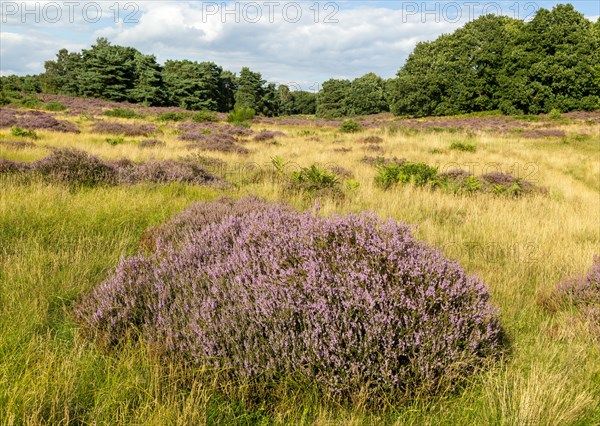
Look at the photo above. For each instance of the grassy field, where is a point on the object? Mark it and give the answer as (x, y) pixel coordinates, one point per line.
(57, 242)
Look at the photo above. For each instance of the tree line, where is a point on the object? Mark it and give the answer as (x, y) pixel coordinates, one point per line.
(492, 63)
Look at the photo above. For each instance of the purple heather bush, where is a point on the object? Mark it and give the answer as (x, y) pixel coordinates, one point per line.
(582, 292)
(9, 167)
(123, 128)
(151, 143)
(505, 183)
(374, 148)
(342, 149)
(268, 135)
(259, 292)
(219, 143)
(371, 140)
(38, 120)
(75, 167)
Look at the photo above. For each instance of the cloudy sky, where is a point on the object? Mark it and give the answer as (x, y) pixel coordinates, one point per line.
(299, 43)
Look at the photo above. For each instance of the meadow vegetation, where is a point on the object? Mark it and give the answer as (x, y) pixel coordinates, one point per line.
(81, 218)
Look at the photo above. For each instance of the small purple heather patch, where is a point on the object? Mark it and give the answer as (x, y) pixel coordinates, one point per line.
(582, 292)
(268, 135)
(125, 129)
(260, 291)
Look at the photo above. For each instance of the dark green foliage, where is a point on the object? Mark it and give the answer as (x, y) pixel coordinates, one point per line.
(331, 101)
(54, 106)
(350, 126)
(463, 146)
(286, 100)
(315, 180)
(204, 116)
(552, 63)
(193, 85)
(107, 71)
(62, 74)
(148, 87)
(249, 89)
(19, 132)
(501, 63)
(114, 141)
(121, 113)
(457, 72)
(366, 96)
(254, 92)
(304, 102)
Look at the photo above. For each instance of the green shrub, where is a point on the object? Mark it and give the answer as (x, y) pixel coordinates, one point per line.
(121, 113)
(314, 180)
(240, 115)
(388, 175)
(204, 116)
(555, 114)
(279, 164)
(173, 116)
(352, 185)
(350, 126)
(30, 102)
(115, 141)
(19, 132)
(54, 106)
(416, 173)
(463, 146)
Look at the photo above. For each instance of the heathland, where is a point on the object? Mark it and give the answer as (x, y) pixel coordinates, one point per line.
(515, 200)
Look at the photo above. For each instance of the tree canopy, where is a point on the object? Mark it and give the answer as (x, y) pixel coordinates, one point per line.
(491, 63)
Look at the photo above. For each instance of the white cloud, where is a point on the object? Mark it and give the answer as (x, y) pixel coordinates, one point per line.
(365, 38)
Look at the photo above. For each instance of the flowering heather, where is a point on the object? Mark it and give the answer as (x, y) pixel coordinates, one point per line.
(340, 171)
(342, 149)
(499, 182)
(373, 148)
(268, 135)
(371, 140)
(8, 166)
(163, 172)
(260, 291)
(543, 133)
(116, 128)
(237, 131)
(582, 292)
(39, 120)
(455, 174)
(151, 143)
(382, 161)
(73, 166)
(204, 128)
(219, 143)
